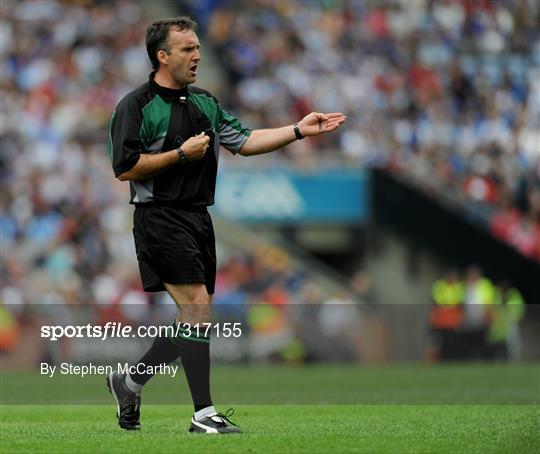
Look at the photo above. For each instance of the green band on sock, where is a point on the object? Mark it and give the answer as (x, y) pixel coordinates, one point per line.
(188, 333)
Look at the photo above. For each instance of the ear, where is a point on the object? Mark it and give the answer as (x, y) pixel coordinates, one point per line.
(163, 57)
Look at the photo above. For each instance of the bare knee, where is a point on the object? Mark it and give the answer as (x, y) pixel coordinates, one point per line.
(193, 302)
(197, 310)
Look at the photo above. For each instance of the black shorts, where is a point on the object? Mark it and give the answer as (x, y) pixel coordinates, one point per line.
(175, 246)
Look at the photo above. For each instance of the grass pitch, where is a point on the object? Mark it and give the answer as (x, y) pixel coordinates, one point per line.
(510, 423)
(297, 428)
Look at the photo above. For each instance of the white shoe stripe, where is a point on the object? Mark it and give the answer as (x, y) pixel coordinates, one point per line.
(208, 429)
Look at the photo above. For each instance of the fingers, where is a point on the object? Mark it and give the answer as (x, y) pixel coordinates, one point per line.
(332, 127)
(334, 124)
(196, 146)
(324, 118)
(205, 142)
(334, 115)
(203, 135)
(335, 119)
(204, 138)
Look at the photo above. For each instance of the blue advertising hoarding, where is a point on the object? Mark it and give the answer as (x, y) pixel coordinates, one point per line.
(286, 196)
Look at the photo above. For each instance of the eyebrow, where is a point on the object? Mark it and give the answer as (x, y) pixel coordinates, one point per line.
(190, 46)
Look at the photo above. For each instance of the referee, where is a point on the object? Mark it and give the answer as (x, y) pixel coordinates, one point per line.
(164, 139)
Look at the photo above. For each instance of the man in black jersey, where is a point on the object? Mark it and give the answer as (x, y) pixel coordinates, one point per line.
(164, 139)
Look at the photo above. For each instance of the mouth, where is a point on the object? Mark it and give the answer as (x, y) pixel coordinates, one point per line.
(193, 70)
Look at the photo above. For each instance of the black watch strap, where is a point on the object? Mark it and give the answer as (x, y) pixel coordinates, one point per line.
(297, 132)
(181, 155)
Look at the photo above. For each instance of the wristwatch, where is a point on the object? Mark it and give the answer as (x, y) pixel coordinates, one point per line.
(181, 155)
(297, 132)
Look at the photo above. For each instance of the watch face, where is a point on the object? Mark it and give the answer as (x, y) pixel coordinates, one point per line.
(297, 132)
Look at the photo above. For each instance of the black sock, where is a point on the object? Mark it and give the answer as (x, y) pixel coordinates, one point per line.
(195, 355)
(162, 351)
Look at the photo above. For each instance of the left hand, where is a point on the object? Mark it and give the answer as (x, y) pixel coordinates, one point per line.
(317, 123)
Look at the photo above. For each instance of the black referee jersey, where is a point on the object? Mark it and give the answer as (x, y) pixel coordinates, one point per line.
(153, 119)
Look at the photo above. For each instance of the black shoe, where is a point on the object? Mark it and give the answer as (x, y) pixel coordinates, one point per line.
(215, 424)
(128, 403)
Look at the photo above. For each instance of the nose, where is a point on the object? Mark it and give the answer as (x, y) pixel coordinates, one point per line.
(197, 55)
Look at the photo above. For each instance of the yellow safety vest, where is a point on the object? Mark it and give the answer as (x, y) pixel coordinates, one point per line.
(447, 293)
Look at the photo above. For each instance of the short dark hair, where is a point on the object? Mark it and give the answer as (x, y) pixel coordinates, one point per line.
(157, 34)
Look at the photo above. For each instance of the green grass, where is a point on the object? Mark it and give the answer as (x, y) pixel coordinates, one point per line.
(321, 384)
(373, 428)
(399, 408)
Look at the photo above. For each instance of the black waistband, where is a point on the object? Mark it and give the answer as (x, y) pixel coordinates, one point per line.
(194, 208)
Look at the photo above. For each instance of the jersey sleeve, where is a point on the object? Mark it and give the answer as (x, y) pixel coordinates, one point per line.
(125, 143)
(232, 134)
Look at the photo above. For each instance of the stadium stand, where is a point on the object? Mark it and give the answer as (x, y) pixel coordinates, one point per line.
(457, 113)
(445, 93)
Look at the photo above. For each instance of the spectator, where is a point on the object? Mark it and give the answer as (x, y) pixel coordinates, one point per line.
(446, 316)
(504, 332)
(450, 87)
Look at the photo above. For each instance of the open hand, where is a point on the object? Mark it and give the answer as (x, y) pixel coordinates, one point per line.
(319, 123)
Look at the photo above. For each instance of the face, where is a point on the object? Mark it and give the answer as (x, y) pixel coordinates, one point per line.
(183, 60)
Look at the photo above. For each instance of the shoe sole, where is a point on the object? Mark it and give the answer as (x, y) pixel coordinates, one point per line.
(199, 430)
(109, 381)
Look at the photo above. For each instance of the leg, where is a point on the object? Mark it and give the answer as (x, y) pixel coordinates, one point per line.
(173, 246)
(162, 262)
(193, 303)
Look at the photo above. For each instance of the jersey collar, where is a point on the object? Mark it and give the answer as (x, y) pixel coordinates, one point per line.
(168, 94)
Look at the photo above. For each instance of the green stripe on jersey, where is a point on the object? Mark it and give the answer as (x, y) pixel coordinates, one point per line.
(208, 106)
(156, 118)
(218, 117)
(232, 122)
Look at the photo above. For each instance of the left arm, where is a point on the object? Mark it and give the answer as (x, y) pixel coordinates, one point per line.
(267, 140)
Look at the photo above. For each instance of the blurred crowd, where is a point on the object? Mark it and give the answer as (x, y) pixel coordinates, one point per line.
(445, 93)
(65, 220)
(284, 313)
(289, 313)
(474, 318)
(65, 223)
